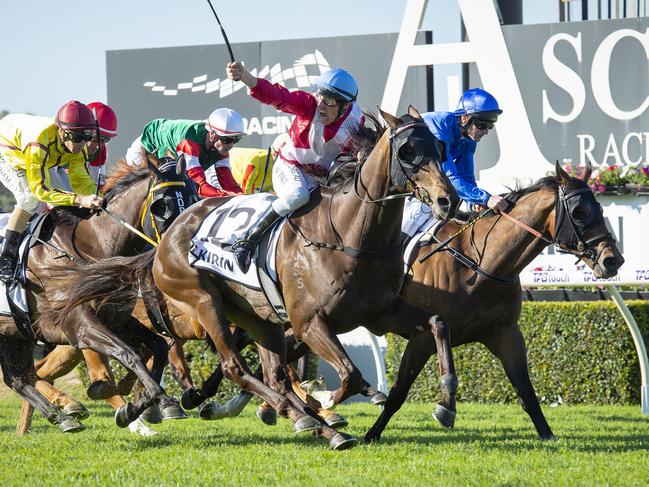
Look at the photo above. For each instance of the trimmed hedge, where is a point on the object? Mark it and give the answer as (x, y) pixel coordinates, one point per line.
(578, 352)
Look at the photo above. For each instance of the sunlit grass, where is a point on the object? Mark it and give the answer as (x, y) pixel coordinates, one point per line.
(492, 444)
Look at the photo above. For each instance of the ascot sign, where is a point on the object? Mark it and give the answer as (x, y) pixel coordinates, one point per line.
(562, 100)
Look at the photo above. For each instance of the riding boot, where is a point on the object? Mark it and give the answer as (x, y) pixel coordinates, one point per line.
(9, 255)
(245, 247)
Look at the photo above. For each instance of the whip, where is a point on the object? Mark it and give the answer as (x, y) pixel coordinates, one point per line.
(225, 37)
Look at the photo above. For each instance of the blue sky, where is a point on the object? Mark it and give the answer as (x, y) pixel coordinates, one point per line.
(54, 51)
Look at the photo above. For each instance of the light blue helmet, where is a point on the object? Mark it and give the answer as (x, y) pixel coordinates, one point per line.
(478, 101)
(336, 83)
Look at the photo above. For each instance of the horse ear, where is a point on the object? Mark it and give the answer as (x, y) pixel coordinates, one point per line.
(562, 175)
(152, 163)
(392, 121)
(181, 165)
(413, 112)
(587, 172)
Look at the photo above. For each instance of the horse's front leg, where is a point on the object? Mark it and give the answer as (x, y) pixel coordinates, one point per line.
(426, 334)
(317, 335)
(507, 343)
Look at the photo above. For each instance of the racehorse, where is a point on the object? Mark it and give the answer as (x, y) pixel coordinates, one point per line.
(355, 280)
(482, 302)
(82, 239)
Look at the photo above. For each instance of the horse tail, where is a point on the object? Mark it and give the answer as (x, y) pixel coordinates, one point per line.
(116, 281)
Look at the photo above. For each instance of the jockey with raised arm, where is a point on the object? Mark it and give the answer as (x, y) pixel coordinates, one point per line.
(29, 147)
(461, 130)
(203, 144)
(323, 127)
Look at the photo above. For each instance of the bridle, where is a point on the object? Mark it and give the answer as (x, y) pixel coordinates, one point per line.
(401, 171)
(568, 234)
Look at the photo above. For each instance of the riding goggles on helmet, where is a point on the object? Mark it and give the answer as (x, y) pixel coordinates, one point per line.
(76, 137)
(482, 124)
(328, 100)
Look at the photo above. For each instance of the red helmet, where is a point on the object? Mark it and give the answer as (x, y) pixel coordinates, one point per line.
(74, 115)
(106, 118)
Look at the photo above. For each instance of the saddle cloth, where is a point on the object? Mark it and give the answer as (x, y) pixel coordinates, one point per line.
(211, 245)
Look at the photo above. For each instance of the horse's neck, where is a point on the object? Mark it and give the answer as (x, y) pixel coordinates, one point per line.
(101, 235)
(508, 248)
(371, 225)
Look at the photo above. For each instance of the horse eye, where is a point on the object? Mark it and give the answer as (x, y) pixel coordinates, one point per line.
(407, 153)
(580, 213)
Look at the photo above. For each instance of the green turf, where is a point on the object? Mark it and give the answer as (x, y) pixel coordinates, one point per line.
(491, 445)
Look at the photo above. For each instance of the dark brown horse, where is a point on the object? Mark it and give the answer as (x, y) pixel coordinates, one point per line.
(82, 240)
(485, 306)
(326, 286)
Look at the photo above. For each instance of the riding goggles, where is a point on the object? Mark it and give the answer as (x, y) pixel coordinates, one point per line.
(76, 137)
(482, 124)
(104, 139)
(227, 139)
(327, 100)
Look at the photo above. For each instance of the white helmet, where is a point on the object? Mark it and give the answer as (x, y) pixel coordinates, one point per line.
(225, 122)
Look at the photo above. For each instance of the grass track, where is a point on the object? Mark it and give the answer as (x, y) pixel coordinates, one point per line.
(491, 445)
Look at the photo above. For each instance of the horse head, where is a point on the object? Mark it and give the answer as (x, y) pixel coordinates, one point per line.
(580, 228)
(416, 163)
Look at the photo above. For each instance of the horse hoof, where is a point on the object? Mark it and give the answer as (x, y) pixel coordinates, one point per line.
(336, 421)
(372, 437)
(173, 411)
(341, 441)
(235, 406)
(191, 399)
(267, 416)
(76, 410)
(152, 414)
(306, 423)
(550, 437)
(138, 427)
(123, 415)
(212, 411)
(101, 389)
(444, 416)
(379, 399)
(71, 425)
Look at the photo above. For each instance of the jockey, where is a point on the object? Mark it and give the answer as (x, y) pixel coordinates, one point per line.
(323, 127)
(202, 143)
(29, 147)
(461, 130)
(107, 121)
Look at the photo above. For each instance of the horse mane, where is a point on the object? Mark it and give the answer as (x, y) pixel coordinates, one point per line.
(364, 138)
(119, 179)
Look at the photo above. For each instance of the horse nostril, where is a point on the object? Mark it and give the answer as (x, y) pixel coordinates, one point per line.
(609, 262)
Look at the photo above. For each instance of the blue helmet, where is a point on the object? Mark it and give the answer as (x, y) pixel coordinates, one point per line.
(478, 101)
(337, 83)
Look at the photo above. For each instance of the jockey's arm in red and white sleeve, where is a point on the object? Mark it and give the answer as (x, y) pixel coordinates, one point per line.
(192, 151)
(298, 103)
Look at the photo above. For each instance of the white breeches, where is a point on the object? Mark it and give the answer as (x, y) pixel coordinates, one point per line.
(136, 154)
(292, 186)
(415, 214)
(16, 182)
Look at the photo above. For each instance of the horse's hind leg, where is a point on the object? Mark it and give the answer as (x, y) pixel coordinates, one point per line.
(508, 344)
(91, 333)
(18, 373)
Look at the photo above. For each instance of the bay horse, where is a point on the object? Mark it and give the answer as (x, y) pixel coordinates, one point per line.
(484, 305)
(353, 281)
(84, 239)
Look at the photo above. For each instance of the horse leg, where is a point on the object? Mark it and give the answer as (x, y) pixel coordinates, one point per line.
(323, 342)
(272, 353)
(92, 333)
(508, 345)
(193, 398)
(178, 364)
(407, 319)
(18, 373)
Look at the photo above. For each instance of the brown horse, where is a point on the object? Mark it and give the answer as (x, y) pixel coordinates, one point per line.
(484, 305)
(354, 281)
(87, 239)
